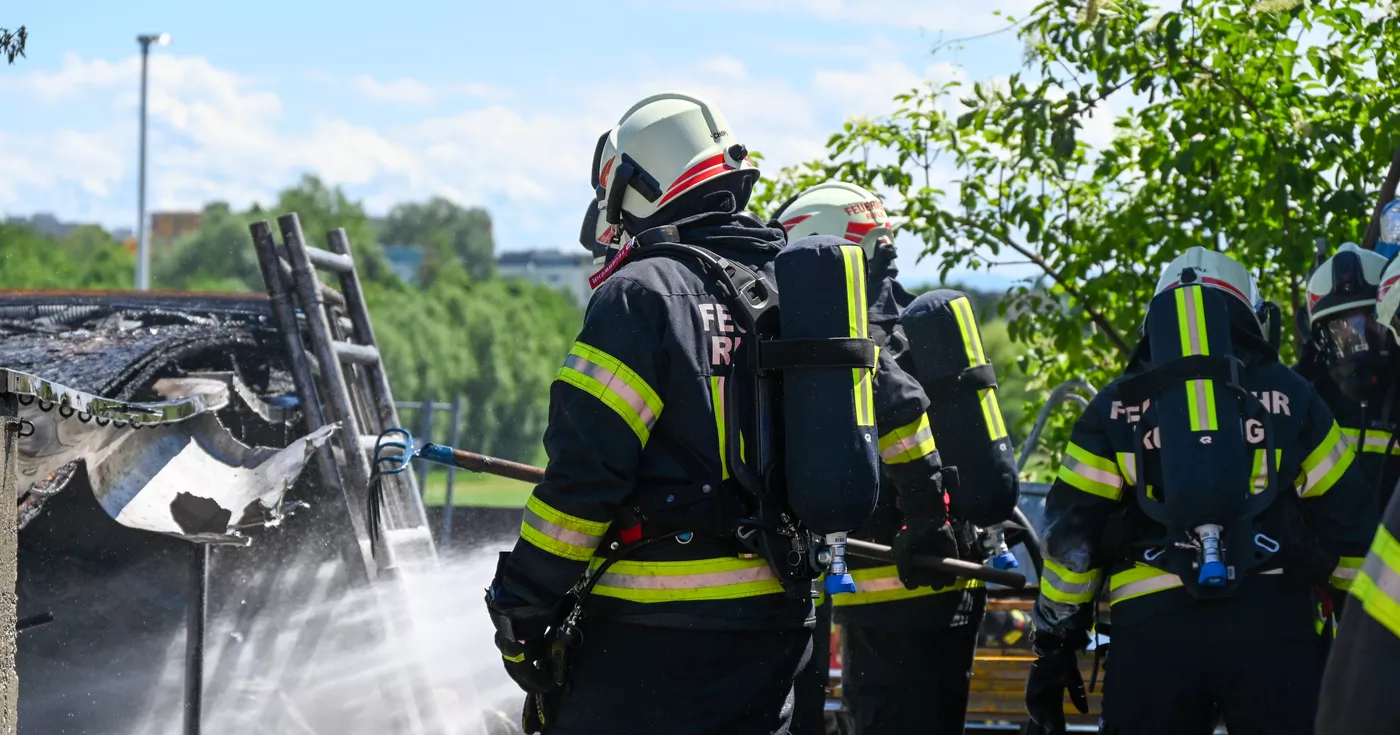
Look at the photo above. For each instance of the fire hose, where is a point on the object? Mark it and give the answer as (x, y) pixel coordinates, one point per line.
(404, 451)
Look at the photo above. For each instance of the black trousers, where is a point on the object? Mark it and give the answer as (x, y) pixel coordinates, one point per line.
(899, 680)
(637, 680)
(1255, 658)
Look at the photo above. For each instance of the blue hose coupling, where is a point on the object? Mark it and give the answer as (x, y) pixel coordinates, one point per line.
(838, 583)
(1005, 561)
(1213, 574)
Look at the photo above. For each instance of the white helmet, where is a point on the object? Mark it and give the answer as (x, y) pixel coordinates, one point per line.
(664, 146)
(597, 235)
(1388, 297)
(1346, 281)
(840, 210)
(1214, 270)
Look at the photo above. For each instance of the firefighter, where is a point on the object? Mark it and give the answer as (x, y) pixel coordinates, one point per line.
(690, 631)
(1358, 691)
(908, 636)
(1354, 361)
(1198, 630)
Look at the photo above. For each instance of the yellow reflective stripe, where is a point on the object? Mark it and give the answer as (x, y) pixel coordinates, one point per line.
(717, 404)
(1346, 571)
(972, 346)
(1191, 321)
(606, 378)
(679, 581)
(1138, 581)
(517, 658)
(559, 533)
(1377, 440)
(908, 442)
(1325, 465)
(1062, 584)
(1091, 473)
(881, 584)
(1260, 471)
(1377, 585)
(859, 322)
(1127, 467)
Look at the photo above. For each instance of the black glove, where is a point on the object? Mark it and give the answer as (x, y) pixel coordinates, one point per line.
(1055, 672)
(1305, 562)
(925, 533)
(520, 637)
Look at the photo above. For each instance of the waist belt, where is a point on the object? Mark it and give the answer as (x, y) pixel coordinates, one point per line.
(725, 578)
(1143, 579)
(881, 584)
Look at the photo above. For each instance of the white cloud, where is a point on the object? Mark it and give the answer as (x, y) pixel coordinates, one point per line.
(399, 91)
(218, 135)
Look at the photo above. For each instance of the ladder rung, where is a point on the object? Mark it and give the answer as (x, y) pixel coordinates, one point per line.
(357, 354)
(330, 295)
(328, 261)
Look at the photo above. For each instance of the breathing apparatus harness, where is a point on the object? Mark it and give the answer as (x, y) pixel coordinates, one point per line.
(769, 528)
(1216, 574)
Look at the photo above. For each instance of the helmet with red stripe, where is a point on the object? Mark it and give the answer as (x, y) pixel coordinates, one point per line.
(1388, 297)
(666, 146)
(840, 210)
(1216, 270)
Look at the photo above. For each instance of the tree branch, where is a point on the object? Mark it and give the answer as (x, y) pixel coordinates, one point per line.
(1392, 178)
(12, 42)
(1099, 320)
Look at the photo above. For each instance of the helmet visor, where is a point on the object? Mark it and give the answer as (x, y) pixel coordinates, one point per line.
(1349, 335)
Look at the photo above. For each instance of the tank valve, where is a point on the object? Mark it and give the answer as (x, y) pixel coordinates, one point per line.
(1213, 572)
(995, 543)
(838, 579)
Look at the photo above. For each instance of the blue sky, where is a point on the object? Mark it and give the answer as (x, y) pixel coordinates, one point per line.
(493, 104)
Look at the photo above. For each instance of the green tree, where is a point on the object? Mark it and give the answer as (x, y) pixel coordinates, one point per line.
(1239, 137)
(219, 256)
(87, 258)
(445, 231)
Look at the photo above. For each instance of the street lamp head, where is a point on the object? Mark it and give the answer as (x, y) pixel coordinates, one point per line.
(161, 39)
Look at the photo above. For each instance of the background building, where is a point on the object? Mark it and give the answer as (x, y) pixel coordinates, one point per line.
(564, 271)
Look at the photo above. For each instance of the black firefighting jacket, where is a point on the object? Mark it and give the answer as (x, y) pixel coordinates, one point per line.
(1373, 430)
(1358, 689)
(1097, 486)
(636, 422)
(910, 463)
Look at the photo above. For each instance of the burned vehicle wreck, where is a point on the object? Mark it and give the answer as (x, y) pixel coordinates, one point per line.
(189, 551)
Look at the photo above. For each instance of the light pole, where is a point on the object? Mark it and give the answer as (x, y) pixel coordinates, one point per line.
(143, 246)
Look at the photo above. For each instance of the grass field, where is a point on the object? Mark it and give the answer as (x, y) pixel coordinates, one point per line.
(479, 490)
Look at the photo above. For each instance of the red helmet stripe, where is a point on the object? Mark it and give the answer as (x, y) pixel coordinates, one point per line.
(680, 187)
(795, 221)
(607, 168)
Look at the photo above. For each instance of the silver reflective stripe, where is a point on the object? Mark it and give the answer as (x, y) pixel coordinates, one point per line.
(1143, 586)
(1316, 474)
(1342, 572)
(1090, 472)
(907, 443)
(882, 584)
(559, 533)
(685, 581)
(614, 384)
(1193, 325)
(1060, 584)
(1385, 578)
(1376, 439)
(1272, 571)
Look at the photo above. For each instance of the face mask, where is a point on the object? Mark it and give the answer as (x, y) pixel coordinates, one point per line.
(1353, 362)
